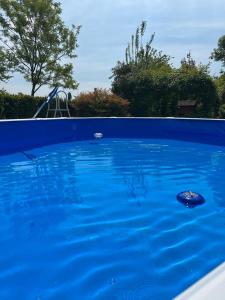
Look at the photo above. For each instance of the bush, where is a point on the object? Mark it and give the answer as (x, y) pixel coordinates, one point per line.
(156, 93)
(222, 111)
(220, 85)
(18, 106)
(198, 86)
(100, 103)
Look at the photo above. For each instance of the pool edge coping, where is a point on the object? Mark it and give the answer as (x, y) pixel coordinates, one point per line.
(131, 118)
(211, 286)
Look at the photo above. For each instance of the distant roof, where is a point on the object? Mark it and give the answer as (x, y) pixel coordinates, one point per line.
(187, 103)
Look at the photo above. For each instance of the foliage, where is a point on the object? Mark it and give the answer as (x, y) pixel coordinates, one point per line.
(142, 89)
(140, 56)
(137, 77)
(222, 111)
(156, 93)
(154, 88)
(218, 53)
(198, 86)
(38, 43)
(146, 78)
(188, 64)
(5, 66)
(99, 103)
(18, 106)
(143, 56)
(195, 83)
(220, 85)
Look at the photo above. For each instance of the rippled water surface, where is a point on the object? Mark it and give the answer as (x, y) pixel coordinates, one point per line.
(88, 220)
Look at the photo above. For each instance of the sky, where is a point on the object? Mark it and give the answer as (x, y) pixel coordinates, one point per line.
(180, 26)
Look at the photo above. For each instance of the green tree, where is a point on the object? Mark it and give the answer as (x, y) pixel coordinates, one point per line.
(38, 42)
(154, 87)
(218, 53)
(137, 77)
(142, 55)
(220, 86)
(192, 81)
(188, 64)
(5, 66)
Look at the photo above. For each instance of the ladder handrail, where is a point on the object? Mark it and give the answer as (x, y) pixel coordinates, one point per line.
(58, 108)
(50, 97)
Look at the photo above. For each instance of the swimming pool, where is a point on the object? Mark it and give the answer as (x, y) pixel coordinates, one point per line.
(87, 219)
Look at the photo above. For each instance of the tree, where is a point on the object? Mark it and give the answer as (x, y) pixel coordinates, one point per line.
(218, 53)
(143, 56)
(193, 82)
(38, 43)
(139, 55)
(5, 66)
(188, 64)
(220, 86)
(154, 88)
(137, 77)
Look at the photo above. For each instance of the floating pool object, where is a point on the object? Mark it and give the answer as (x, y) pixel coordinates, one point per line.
(98, 135)
(190, 199)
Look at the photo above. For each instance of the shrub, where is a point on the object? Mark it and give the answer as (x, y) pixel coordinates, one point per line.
(99, 103)
(220, 85)
(156, 93)
(18, 106)
(198, 86)
(222, 111)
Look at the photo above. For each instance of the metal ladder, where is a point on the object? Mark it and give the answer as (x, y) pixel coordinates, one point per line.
(58, 109)
(54, 104)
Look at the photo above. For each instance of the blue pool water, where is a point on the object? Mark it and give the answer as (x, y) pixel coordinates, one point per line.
(87, 220)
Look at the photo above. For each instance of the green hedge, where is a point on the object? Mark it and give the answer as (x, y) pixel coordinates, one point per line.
(18, 106)
(98, 103)
(149, 94)
(156, 93)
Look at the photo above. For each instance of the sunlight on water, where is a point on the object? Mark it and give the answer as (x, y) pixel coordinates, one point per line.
(88, 220)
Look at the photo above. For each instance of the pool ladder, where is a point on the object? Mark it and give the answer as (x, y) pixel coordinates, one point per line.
(56, 104)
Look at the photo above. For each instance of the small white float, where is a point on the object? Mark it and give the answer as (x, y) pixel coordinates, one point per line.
(98, 135)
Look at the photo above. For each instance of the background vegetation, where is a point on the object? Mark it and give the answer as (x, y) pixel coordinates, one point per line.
(99, 103)
(154, 87)
(95, 104)
(18, 106)
(36, 42)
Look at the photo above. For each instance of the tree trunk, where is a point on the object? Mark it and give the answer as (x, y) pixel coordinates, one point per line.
(33, 89)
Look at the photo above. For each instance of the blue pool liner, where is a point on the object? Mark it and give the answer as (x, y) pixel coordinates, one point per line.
(22, 135)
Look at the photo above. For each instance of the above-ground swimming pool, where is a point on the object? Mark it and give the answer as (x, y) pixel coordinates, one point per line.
(99, 219)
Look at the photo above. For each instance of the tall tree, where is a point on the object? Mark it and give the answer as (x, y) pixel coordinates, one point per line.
(140, 56)
(143, 54)
(138, 75)
(38, 42)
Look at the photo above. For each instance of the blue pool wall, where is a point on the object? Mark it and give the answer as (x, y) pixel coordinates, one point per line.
(19, 135)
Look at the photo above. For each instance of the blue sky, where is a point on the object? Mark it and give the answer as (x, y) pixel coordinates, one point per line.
(180, 26)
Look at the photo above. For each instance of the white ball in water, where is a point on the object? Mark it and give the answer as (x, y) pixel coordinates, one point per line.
(98, 135)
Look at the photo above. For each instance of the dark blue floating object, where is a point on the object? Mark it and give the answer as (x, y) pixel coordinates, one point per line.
(190, 199)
